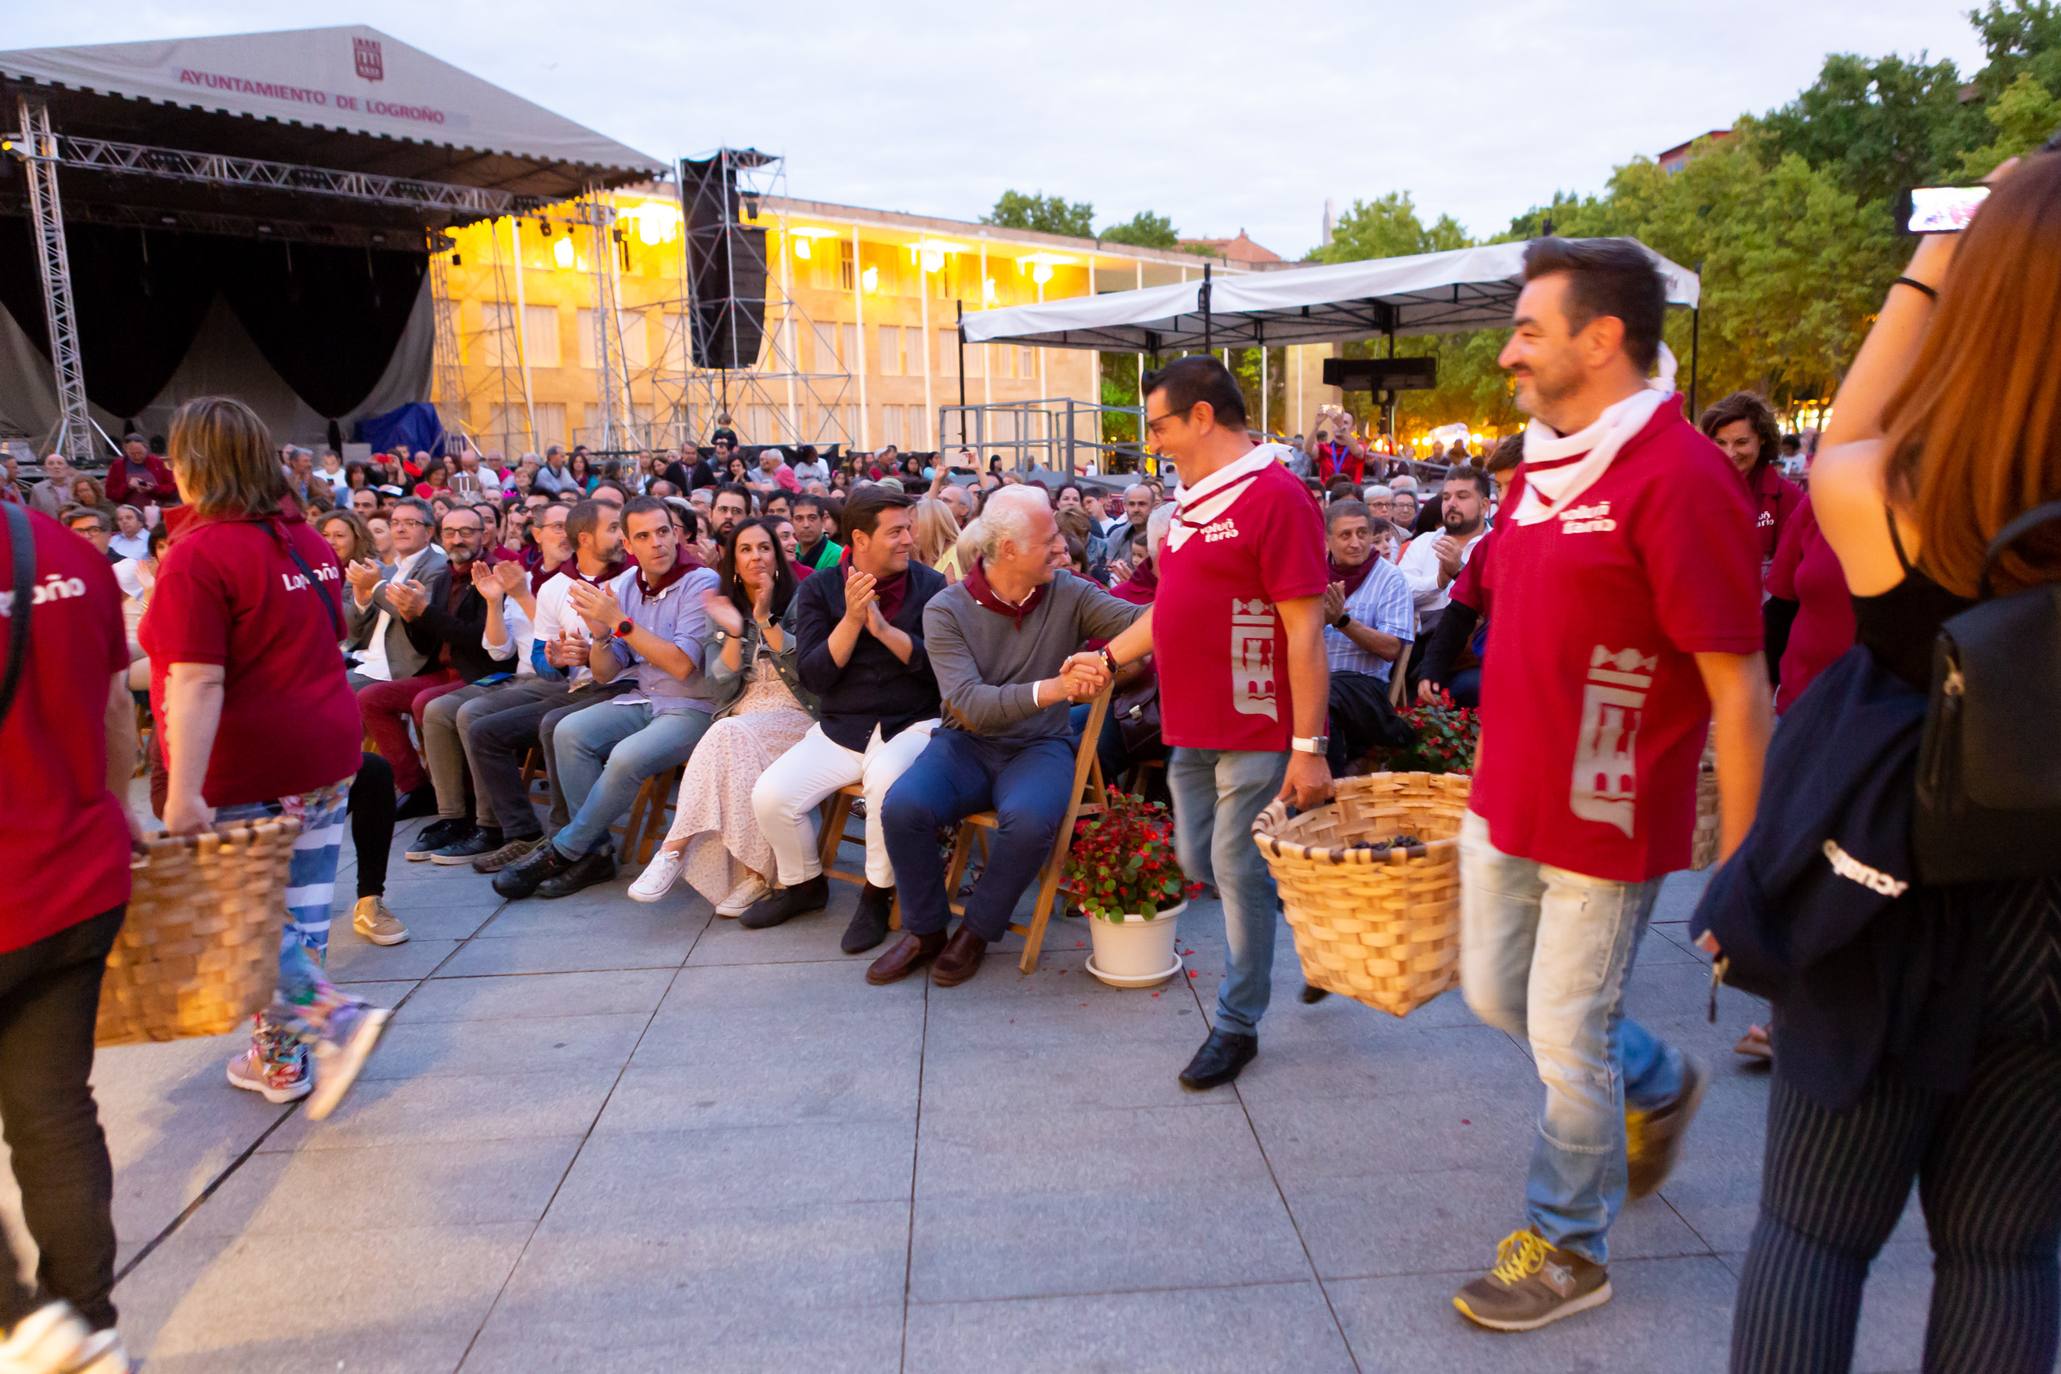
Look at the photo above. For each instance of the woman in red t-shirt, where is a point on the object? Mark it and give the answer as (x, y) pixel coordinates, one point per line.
(242, 637)
(1744, 429)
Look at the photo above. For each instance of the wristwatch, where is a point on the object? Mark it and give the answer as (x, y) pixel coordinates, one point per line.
(1312, 744)
(623, 628)
(1344, 619)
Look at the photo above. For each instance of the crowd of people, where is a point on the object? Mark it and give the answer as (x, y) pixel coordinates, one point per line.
(1618, 588)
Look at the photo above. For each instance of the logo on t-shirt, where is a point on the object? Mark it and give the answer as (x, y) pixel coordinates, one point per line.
(53, 587)
(1252, 659)
(1590, 519)
(1222, 529)
(1605, 783)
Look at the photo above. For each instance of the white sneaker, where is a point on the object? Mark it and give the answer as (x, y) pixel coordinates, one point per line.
(743, 895)
(102, 1354)
(339, 1059)
(47, 1339)
(659, 875)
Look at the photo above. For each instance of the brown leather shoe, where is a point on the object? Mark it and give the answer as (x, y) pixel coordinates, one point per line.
(959, 960)
(904, 957)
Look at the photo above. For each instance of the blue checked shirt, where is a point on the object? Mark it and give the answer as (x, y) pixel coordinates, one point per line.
(1383, 602)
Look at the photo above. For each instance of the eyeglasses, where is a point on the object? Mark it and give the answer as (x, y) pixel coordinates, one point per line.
(1152, 423)
(398, 521)
(551, 524)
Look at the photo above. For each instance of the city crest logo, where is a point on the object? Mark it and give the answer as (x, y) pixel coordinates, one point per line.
(371, 65)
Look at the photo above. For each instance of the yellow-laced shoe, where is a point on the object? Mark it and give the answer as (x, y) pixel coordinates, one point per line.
(1533, 1282)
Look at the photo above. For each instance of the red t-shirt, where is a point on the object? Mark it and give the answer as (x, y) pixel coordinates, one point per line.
(1807, 572)
(229, 594)
(1594, 715)
(1249, 539)
(64, 842)
(1775, 499)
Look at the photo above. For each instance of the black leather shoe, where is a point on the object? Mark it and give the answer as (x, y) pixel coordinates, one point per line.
(787, 903)
(523, 877)
(1219, 1060)
(869, 922)
(595, 866)
(1312, 994)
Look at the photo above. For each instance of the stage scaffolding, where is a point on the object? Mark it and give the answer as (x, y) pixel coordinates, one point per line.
(772, 398)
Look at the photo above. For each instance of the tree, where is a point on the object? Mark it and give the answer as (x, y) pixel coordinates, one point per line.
(1388, 227)
(1877, 125)
(2021, 38)
(1143, 230)
(1046, 214)
(2024, 115)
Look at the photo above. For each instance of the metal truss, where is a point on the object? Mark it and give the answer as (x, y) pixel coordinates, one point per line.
(122, 215)
(805, 407)
(220, 169)
(613, 431)
(74, 437)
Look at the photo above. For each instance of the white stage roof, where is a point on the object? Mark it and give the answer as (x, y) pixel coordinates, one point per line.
(1429, 293)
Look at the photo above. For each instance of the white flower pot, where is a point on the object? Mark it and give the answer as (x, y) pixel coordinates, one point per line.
(1137, 951)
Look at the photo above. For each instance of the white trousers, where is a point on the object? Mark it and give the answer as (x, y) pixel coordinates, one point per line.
(787, 794)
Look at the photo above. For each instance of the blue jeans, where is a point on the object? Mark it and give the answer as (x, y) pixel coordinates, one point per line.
(1024, 782)
(1218, 793)
(605, 752)
(1544, 954)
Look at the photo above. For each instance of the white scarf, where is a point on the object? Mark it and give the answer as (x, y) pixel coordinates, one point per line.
(1209, 500)
(1559, 468)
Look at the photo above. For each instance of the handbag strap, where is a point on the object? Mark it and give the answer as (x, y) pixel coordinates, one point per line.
(2012, 533)
(21, 539)
(314, 582)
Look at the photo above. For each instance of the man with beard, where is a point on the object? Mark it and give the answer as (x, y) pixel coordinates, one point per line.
(732, 503)
(1430, 562)
(1368, 621)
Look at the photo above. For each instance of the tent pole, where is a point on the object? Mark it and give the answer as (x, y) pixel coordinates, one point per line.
(1208, 326)
(959, 311)
(1695, 339)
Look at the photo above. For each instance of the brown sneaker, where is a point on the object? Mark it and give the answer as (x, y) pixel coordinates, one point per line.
(1534, 1283)
(372, 920)
(496, 860)
(1653, 1138)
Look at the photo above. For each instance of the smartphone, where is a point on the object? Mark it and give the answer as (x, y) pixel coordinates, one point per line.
(1939, 209)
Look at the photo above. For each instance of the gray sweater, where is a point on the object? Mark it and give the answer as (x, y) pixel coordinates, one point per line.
(986, 663)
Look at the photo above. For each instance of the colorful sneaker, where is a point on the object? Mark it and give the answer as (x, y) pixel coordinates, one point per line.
(658, 876)
(373, 921)
(1534, 1283)
(275, 1065)
(743, 895)
(494, 860)
(341, 1054)
(1653, 1137)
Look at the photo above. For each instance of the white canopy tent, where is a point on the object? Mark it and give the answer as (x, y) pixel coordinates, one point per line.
(1429, 293)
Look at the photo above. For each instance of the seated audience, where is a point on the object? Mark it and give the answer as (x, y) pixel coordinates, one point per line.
(762, 712)
(648, 627)
(997, 642)
(858, 629)
(1369, 619)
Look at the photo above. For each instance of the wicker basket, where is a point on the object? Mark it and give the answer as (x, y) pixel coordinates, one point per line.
(1703, 845)
(199, 949)
(1384, 928)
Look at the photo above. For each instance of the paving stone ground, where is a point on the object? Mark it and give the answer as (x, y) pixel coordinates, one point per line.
(601, 1135)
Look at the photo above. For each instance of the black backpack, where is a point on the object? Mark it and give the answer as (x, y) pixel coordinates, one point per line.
(1989, 766)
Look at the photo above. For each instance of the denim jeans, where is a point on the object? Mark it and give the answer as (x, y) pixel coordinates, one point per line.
(1544, 954)
(1024, 782)
(605, 752)
(1218, 793)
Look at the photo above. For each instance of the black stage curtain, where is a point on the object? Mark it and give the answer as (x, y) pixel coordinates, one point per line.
(327, 318)
(140, 297)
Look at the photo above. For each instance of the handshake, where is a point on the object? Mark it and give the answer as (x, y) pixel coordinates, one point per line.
(1082, 676)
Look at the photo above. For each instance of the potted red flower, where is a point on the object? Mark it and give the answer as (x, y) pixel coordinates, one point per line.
(1446, 736)
(1122, 875)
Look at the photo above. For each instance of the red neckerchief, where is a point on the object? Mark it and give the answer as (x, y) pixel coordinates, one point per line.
(1353, 577)
(681, 567)
(892, 591)
(539, 574)
(1140, 587)
(978, 587)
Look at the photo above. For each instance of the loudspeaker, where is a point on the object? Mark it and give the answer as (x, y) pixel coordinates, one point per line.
(726, 266)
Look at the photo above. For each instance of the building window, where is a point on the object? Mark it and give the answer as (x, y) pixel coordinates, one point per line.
(494, 345)
(1027, 362)
(847, 272)
(948, 352)
(976, 360)
(550, 424)
(890, 365)
(918, 427)
(540, 337)
(848, 335)
(826, 359)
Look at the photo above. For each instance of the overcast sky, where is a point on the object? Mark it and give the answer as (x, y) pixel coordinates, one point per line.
(1220, 116)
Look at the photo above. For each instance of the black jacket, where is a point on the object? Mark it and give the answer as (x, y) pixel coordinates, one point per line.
(457, 628)
(874, 687)
(1819, 911)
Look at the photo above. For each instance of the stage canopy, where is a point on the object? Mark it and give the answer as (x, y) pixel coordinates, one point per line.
(251, 213)
(1429, 293)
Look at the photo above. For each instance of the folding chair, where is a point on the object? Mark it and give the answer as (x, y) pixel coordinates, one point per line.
(645, 824)
(1086, 800)
(837, 811)
(1399, 677)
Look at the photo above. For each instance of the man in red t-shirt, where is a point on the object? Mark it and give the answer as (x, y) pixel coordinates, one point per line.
(1243, 683)
(67, 748)
(139, 477)
(1626, 582)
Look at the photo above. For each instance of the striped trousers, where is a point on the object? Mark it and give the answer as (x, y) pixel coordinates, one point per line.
(1987, 1162)
(305, 998)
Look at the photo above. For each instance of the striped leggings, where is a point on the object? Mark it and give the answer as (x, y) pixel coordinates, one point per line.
(305, 999)
(1987, 1161)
